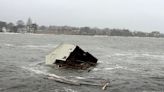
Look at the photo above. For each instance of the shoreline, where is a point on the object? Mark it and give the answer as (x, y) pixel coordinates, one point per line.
(10, 33)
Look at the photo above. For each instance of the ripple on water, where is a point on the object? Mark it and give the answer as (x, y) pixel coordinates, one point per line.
(31, 46)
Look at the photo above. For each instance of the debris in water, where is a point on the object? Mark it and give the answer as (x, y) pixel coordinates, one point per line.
(79, 81)
(104, 87)
(70, 56)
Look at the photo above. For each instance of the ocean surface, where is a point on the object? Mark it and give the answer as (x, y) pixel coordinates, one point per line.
(131, 64)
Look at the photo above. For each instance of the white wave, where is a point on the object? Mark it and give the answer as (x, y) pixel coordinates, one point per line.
(32, 69)
(120, 67)
(148, 55)
(9, 33)
(69, 90)
(9, 45)
(39, 46)
(100, 36)
(35, 70)
(111, 68)
(132, 55)
(77, 80)
(108, 56)
(35, 34)
(41, 72)
(152, 55)
(96, 69)
(43, 47)
(100, 69)
(100, 61)
(120, 54)
(78, 77)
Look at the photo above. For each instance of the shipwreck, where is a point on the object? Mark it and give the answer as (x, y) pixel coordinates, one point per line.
(70, 56)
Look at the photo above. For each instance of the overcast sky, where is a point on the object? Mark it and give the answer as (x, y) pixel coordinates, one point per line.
(140, 15)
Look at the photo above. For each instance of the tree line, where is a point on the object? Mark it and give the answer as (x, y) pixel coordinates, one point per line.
(29, 27)
(68, 30)
(19, 27)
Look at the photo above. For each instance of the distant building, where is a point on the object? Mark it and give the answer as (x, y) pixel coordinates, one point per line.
(21, 30)
(31, 27)
(4, 29)
(2, 26)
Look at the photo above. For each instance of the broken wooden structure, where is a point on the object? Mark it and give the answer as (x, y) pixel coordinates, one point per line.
(70, 56)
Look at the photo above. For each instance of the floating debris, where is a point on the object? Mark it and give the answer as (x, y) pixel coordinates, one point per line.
(72, 80)
(70, 56)
(80, 81)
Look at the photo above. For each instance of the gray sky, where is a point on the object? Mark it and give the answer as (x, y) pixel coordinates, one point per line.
(140, 15)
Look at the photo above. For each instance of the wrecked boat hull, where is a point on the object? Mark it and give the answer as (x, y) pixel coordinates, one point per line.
(71, 56)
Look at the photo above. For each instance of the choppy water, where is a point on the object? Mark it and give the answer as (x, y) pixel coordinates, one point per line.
(132, 64)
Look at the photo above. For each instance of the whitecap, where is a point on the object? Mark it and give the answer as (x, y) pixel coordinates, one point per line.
(146, 55)
(34, 70)
(42, 47)
(37, 71)
(151, 55)
(102, 69)
(111, 68)
(120, 54)
(69, 90)
(134, 55)
(100, 36)
(78, 77)
(9, 33)
(96, 69)
(9, 45)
